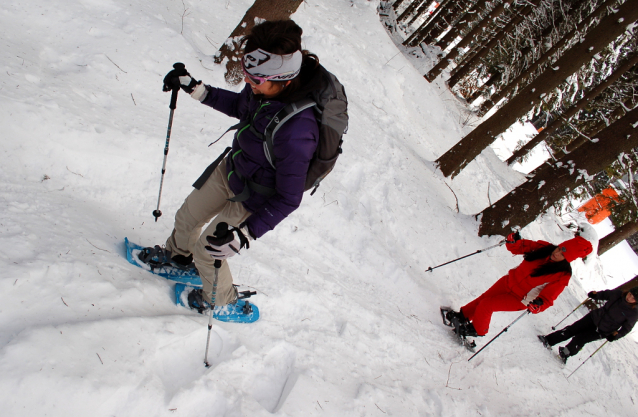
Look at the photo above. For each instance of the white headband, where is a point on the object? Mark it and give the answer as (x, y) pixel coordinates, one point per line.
(276, 67)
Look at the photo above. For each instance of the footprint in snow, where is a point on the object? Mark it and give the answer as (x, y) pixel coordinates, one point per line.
(276, 378)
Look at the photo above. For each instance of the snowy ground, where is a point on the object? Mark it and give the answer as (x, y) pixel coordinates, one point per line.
(350, 323)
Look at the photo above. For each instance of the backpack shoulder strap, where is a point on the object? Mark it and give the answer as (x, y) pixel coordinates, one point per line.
(278, 120)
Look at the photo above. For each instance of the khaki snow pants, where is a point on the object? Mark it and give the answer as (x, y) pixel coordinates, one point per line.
(199, 208)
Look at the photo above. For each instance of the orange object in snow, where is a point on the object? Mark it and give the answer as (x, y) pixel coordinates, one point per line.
(597, 209)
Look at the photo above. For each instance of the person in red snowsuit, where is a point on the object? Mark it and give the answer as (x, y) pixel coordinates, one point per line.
(533, 285)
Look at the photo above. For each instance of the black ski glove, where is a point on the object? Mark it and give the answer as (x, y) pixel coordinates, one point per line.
(179, 76)
(513, 237)
(172, 78)
(612, 337)
(188, 84)
(592, 295)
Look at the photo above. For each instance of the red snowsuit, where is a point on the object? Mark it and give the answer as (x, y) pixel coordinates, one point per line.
(509, 292)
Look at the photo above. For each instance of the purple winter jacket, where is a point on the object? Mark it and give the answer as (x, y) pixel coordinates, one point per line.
(294, 145)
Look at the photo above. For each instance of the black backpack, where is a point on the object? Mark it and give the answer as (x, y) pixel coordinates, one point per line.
(331, 110)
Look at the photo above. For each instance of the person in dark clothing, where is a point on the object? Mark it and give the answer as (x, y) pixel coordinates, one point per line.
(612, 321)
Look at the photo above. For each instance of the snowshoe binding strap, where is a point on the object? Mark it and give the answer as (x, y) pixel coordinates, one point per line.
(196, 301)
(155, 257)
(183, 262)
(240, 295)
(247, 309)
(245, 294)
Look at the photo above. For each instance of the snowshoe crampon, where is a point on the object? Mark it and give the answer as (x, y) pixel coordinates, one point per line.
(459, 330)
(462, 338)
(446, 321)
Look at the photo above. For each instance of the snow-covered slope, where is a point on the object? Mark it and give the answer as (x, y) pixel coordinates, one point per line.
(350, 322)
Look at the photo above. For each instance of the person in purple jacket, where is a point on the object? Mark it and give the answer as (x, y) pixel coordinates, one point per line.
(243, 189)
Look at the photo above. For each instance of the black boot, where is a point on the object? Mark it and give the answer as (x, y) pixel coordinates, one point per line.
(453, 315)
(469, 330)
(563, 352)
(466, 330)
(543, 339)
(196, 301)
(158, 257)
(155, 256)
(184, 261)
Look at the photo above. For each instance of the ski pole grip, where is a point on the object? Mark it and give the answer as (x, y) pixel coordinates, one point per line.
(174, 92)
(175, 88)
(221, 230)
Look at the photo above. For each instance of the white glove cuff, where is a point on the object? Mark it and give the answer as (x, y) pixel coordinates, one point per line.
(199, 92)
(246, 233)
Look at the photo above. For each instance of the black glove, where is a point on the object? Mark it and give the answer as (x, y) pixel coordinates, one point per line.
(187, 83)
(172, 78)
(592, 295)
(513, 237)
(611, 337)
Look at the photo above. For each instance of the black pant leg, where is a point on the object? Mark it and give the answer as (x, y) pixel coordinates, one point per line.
(580, 340)
(585, 324)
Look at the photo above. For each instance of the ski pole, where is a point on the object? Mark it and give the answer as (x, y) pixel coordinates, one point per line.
(173, 105)
(502, 331)
(554, 327)
(218, 264)
(457, 259)
(220, 231)
(601, 346)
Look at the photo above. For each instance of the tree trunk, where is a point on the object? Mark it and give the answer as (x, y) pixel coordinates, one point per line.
(261, 9)
(580, 141)
(422, 10)
(464, 21)
(415, 38)
(505, 91)
(435, 16)
(629, 284)
(473, 49)
(408, 10)
(609, 28)
(467, 39)
(474, 62)
(494, 78)
(591, 304)
(572, 111)
(617, 236)
(449, 19)
(551, 181)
